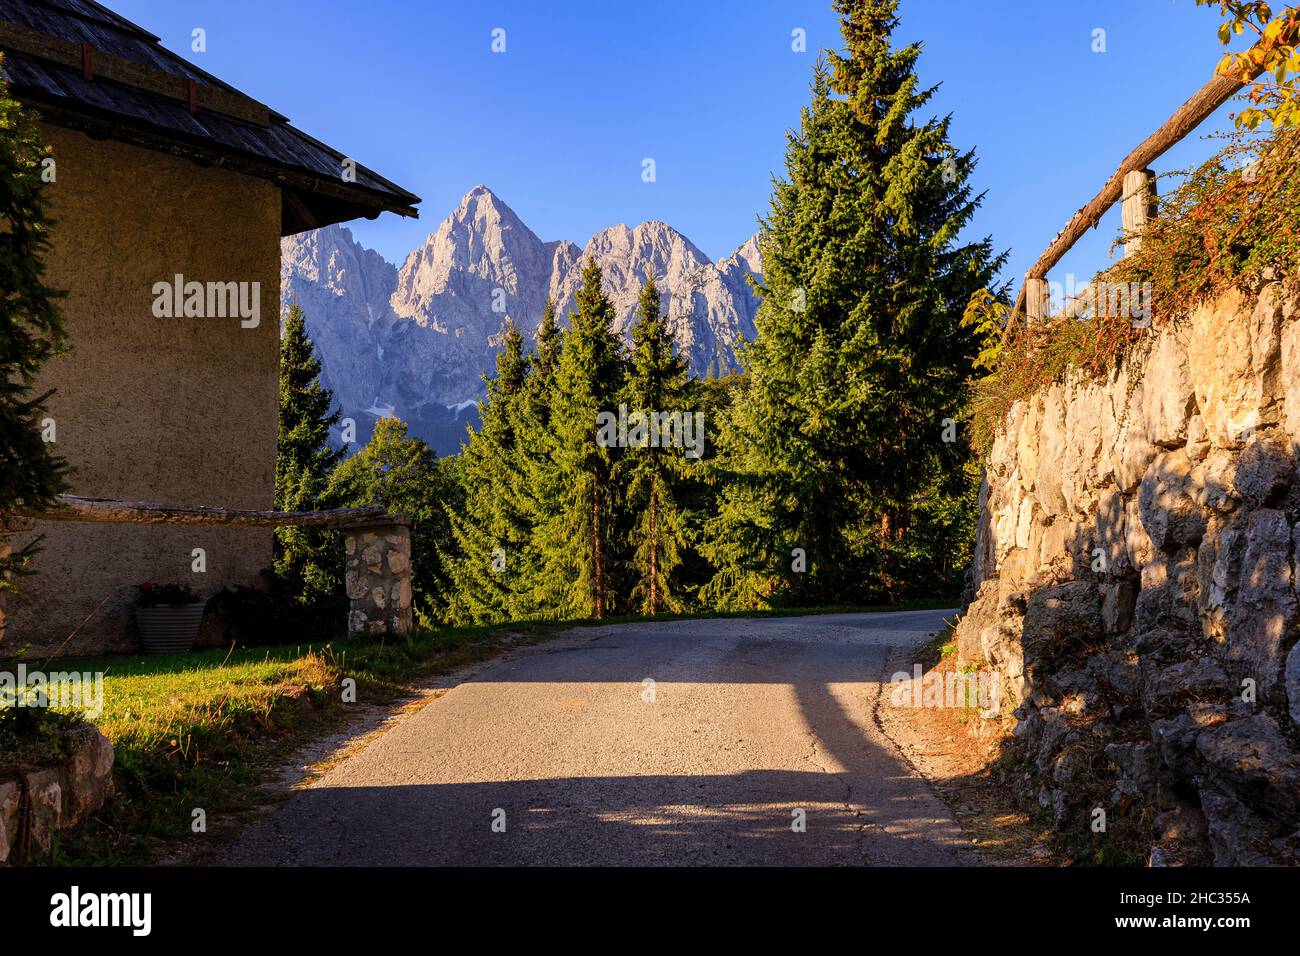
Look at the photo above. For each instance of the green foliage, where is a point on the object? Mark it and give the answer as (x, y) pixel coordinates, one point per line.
(307, 560)
(558, 522)
(698, 488)
(860, 354)
(31, 331)
(657, 382)
(1234, 218)
(985, 316)
(944, 522)
(36, 736)
(1276, 55)
(251, 616)
(1033, 358)
(405, 476)
(490, 569)
(577, 539)
(540, 483)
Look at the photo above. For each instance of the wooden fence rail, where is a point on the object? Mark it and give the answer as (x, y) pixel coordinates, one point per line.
(73, 508)
(377, 546)
(1032, 300)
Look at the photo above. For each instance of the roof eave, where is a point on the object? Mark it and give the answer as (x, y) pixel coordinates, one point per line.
(309, 202)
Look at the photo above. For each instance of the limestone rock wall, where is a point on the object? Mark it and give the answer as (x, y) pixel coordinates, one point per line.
(1135, 586)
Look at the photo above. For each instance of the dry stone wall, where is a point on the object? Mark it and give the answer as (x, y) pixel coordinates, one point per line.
(37, 803)
(1135, 586)
(377, 575)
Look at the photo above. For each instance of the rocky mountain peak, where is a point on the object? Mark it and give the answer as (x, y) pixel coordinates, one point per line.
(746, 257)
(482, 211)
(482, 238)
(419, 338)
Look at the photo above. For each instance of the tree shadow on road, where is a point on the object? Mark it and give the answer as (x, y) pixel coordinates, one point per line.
(835, 793)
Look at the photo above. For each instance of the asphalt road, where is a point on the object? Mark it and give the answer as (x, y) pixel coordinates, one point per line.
(697, 742)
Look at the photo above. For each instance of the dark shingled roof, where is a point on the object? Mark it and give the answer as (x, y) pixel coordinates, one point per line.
(141, 93)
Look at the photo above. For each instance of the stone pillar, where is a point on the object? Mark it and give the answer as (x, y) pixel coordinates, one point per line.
(378, 576)
(9, 526)
(6, 551)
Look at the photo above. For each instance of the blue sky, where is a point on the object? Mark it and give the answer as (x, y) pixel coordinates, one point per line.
(558, 124)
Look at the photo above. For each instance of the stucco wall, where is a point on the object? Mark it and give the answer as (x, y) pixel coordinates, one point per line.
(173, 410)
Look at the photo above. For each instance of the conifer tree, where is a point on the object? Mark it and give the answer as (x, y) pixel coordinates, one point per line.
(538, 489)
(487, 567)
(577, 540)
(550, 339)
(657, 382)
(307, 560)
(859, 355)
(31, 330)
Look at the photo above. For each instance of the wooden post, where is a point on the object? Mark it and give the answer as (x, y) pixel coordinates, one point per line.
(73, 508)
(1185, 119)
(1037, 300)
(1139, 207)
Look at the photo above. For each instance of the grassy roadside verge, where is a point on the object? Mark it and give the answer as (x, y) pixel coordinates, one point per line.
(977, 767)
(202, 730)
(965, 759)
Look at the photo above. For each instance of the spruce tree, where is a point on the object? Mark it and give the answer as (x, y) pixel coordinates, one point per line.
(488, 567)
(538, 489)
(859, 355)
(550, 340)
(31, 330)
(657, 383)
(307, 560)
(577, 540)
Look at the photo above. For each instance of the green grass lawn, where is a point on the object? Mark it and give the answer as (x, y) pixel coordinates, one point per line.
(202, 730)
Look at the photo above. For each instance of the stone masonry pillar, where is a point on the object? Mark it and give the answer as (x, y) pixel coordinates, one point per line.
(378, 576)
(9, 525)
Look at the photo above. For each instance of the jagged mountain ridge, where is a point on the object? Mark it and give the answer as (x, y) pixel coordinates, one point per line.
(417, 339)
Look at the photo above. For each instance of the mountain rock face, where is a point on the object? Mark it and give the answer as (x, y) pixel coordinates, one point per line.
(1134, 589)
(344, 291)
(710, 308)
(416, 341)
